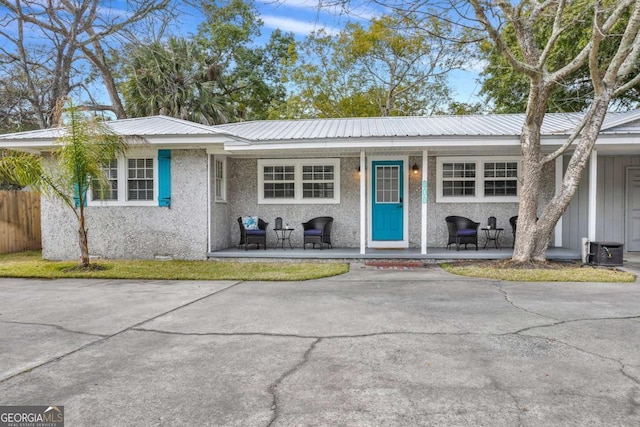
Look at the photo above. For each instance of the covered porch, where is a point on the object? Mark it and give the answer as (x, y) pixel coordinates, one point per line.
(433, 254)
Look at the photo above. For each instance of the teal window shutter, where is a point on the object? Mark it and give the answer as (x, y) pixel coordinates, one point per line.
(76, 195)
(164, 177)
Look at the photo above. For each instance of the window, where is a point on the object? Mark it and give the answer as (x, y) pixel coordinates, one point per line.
(279, 182)
(132, 180)
(110, 192)
(317, 181)
(459, 179)
(481, 179)
(299, 181)
(500, 179)
(220, 173)
(140, 179)
(387, 184)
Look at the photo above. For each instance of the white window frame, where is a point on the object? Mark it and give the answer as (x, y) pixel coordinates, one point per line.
(123, 182)
(91, 194)
(220, 163)
(479, 180)
(298, 181)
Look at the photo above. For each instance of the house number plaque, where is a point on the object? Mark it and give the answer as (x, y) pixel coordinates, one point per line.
(424, 192)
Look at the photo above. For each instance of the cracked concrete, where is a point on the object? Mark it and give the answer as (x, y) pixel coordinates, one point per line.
(371, 347)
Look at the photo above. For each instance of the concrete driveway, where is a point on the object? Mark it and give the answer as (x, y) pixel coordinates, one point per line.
(369, 348)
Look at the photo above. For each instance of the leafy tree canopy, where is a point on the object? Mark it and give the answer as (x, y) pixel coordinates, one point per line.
(219, 75)
(172, 79)
(249, 78)
(508, 89)
(392, 67)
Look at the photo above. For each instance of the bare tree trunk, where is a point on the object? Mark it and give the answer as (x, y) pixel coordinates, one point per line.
(83, 241)
(526, 242)
(577, 164)
(99, 60)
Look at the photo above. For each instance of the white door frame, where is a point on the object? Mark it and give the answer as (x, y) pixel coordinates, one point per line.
(404, 243)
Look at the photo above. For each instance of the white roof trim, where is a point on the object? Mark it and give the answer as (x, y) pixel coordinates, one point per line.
(621, 119)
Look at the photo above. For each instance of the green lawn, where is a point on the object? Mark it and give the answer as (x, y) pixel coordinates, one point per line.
(31, 265)
(554, 272)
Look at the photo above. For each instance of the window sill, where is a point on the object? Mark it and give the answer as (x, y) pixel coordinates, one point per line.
(116, 203)
(298, 202)
(442, 199)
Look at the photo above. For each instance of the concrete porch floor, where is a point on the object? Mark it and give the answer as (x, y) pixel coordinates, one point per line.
(410, 253)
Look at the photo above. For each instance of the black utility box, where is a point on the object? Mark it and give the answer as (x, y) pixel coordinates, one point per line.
(606, 253)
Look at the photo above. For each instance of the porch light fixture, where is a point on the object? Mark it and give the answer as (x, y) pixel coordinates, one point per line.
(415, 169)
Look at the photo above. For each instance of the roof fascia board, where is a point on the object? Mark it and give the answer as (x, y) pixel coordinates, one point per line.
(184, 140)
(481, 141)
(631, 116)
(412, 142)
(603, 139)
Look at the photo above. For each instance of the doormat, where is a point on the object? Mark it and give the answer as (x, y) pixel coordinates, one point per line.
(394, 265)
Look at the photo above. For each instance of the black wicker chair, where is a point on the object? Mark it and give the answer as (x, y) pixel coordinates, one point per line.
(318, 231)
(462, 231)
(514, 224)
(253, 237)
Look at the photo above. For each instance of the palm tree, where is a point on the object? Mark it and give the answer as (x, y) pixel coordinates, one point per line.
(173, 79)
(77, 160)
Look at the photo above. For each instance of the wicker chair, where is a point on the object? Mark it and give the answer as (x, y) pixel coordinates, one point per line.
(462, 231)
(514, 224)
(318, 231)
(251, 237)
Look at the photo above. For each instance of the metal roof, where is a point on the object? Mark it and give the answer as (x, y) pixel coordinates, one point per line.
(346, 128)
(477, 125)
(143, 126)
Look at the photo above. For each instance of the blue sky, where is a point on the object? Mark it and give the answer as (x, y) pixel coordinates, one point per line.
(303, 16)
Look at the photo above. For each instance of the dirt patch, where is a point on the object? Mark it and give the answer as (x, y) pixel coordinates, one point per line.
(84, 268)
(395, 263)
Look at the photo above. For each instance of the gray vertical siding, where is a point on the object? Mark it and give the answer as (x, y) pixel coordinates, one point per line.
(610, 202)
(575, 218)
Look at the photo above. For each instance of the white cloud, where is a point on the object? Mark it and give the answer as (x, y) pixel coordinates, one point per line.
(296, 26)
(363, 11)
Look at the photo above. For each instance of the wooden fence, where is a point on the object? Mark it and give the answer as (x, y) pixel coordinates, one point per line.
(19, 221)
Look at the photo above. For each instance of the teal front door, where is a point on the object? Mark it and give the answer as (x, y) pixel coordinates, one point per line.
(387, 212)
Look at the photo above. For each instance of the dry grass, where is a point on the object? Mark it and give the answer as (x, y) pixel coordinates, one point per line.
(538, 272)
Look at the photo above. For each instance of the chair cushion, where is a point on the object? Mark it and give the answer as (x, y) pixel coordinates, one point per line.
(256, 232)
(250, 222)
(467, 232)
(312, 232)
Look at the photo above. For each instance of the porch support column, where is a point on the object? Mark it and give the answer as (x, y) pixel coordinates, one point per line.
(593, 183)
(424, 188)
(363, 203)
(209, 231)
(559, 176)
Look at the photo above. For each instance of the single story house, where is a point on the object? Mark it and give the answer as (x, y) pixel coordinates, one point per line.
(388, 182)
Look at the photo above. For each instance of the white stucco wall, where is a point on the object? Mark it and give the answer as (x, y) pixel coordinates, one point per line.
(479, 212)
(243, 200)
(139, 232)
